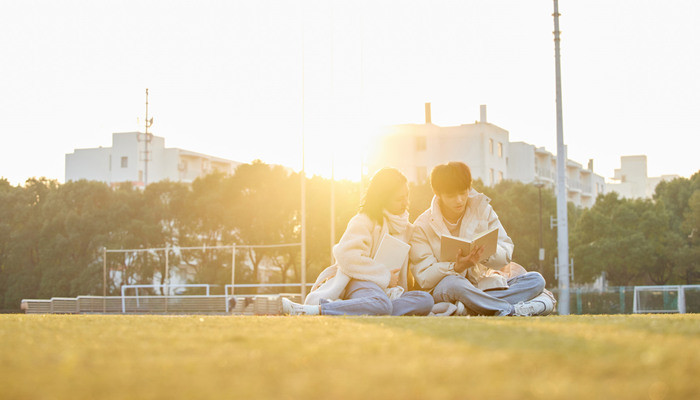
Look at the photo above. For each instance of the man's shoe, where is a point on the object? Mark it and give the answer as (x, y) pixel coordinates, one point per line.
(547, 300)
(528, 308)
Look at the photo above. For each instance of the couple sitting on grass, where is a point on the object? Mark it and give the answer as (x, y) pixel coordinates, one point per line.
(358, 285)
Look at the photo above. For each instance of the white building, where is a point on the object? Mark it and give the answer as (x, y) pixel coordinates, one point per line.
(631, 180)
(416, 148)
(125, 161)
(530, 164)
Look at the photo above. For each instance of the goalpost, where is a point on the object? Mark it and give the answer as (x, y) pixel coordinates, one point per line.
(661, 299)
(229, 289)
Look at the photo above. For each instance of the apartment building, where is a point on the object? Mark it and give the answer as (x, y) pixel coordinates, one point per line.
(416, 148)
(125, 161)
(529, 164)
(632, 181)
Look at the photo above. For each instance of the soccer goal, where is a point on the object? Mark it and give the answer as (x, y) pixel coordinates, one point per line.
(661, 299)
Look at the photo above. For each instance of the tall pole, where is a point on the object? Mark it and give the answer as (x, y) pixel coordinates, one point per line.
(167, 274)
(303, 162)
(145, 168)
(540, 256)
(332, 227)
(104, 279)
(332, 206)
(166, 278)
(233, 267)
(562, 220)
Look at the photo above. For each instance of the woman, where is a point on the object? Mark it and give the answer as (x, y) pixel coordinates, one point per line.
(356, 284)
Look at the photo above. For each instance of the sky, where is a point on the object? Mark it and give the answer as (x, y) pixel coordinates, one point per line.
(248, 80)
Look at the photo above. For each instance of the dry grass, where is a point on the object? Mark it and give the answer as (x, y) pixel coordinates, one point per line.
(227, 357)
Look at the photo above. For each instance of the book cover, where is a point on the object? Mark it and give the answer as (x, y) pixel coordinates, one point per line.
(449, 245)
(392, 252)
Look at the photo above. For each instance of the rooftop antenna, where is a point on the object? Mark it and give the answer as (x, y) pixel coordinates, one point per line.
(148, 137)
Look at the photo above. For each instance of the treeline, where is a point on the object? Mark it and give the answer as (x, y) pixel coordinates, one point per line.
(642, 241)
(52, 235)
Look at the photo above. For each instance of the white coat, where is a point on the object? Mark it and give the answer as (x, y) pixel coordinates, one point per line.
(430, 226)
(354, 255)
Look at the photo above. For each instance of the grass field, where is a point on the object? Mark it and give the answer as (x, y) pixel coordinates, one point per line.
(231, 357)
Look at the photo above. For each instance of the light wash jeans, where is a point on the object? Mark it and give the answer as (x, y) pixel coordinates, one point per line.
(367, 298)
(494, 302)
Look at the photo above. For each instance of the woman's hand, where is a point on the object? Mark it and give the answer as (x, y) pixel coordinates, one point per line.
(468, 261)
(394, 277)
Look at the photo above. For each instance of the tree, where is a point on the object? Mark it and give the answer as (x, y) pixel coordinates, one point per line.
(633, 241)
(680, 197)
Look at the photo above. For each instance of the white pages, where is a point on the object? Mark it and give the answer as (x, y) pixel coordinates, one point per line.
(450, 244)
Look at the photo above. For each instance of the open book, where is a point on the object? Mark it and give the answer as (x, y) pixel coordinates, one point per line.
(450, 244)
(392, 252)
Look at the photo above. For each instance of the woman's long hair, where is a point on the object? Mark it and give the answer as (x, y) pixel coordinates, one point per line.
(384, 184)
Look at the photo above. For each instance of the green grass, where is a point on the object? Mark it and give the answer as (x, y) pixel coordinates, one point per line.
(232, 357)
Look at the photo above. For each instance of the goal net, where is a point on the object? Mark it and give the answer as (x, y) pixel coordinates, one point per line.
(660, 299)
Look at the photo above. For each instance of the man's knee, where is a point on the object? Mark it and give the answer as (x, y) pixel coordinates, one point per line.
(451, 286)
(536, 280)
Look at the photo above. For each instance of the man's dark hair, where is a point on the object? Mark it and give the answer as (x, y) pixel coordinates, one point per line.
(450, 178)
(383, 185)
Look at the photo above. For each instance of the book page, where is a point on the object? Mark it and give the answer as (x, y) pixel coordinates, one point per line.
(449, 245)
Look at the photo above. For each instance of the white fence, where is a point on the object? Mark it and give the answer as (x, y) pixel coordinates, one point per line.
(250, 304)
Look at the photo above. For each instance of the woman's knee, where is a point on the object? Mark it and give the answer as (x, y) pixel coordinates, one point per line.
(383, 305)
(425, 304)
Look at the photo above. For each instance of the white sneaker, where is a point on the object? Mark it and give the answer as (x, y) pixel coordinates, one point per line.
(461, 309)
(547, 299)
(291, 308)
(528, 308)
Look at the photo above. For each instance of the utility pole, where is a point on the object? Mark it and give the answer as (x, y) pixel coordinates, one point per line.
(332, 205)
(303, 159)
(562, 220)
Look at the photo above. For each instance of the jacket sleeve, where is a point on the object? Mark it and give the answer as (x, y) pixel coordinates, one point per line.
(504, 251)
(426, 269)
(352, 253)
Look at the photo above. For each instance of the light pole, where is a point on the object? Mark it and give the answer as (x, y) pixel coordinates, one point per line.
(539, 185)
(562, 218)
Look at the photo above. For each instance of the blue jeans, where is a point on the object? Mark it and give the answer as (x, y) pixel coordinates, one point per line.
(367, 298)
(494, 302)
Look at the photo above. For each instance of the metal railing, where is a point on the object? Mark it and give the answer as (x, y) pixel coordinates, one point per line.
(175, 285)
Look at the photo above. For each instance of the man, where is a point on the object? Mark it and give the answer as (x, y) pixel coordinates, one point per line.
(459, 210)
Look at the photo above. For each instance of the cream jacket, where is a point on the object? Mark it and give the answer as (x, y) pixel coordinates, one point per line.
(354, 255)
(425, 242)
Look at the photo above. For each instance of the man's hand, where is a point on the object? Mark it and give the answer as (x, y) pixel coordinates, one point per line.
(394, 277)
(467, 261)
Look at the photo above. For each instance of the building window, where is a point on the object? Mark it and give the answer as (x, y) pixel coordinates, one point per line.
(491, 176)
(500, 150)
(420, 143)
(125, 162)
(500, 176)
(490, 146)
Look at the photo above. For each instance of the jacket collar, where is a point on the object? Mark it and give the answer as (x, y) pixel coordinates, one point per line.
(476, 205)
